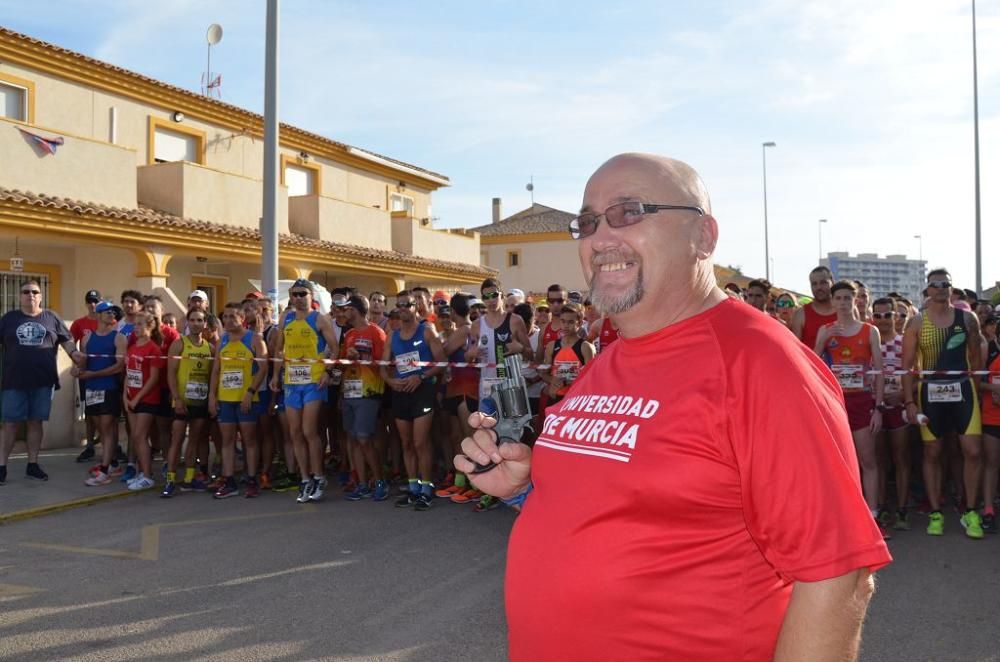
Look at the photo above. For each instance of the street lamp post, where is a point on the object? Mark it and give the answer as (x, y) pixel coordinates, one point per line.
(821, 222)
(975, 119)
(767, 248)
(920, 239)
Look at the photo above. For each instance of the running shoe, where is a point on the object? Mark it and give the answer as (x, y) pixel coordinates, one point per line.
(362, 491)
(305, 490)
(129, 474)
(284, 483)
(86, 454)
(349, 486)
(94, 470)
(935, 524)
(884, 518)
(406, 500)
(35, 471)
(989, 523)
(253, 489)
(972, 524)
(381, 492)
(902, 521)
(448, 492)
(196, 485)
(486, 502)
(882, 529)
(169, 490)
(115, 470)
(96, 481)
(423, 502)
(141, 482)
(216, 484)
(265, 482)
(469, 495)
(227, 490)
(319, 489)
(3, 474)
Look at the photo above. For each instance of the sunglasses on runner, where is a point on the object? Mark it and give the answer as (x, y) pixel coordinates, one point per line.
(883, 316)
(405, 304)
(298, 294)
(486, 296)
(784, 303)
(939, 284)
(31, 292)
(620, 216)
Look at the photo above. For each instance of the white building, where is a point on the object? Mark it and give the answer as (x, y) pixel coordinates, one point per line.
(892, 273)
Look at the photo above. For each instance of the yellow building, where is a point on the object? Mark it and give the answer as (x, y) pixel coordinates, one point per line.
(160, 189)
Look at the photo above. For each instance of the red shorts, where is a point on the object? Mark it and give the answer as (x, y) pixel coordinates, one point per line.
(859, 409)
(892, 419)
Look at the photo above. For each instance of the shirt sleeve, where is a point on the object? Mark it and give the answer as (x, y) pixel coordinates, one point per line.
(800, 482)
(59, 327)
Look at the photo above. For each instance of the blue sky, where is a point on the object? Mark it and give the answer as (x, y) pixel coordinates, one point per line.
(870, 104)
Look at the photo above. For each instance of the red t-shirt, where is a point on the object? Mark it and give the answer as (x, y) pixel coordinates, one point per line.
(138, 363)
(608, 334)
(677, 492)
(78, 329)
(552, 332)
(169, 334)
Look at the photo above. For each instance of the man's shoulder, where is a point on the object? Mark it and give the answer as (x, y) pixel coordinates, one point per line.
(749, 338)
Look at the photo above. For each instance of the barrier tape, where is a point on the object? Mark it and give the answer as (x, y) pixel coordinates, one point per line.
(532, 366)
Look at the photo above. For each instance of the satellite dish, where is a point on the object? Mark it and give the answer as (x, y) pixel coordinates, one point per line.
(214, 34)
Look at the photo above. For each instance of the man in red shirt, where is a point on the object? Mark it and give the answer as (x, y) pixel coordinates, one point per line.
(78, 329)
(674, 509)
(808, 319)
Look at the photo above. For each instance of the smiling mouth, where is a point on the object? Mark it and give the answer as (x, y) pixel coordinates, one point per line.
(615, 266)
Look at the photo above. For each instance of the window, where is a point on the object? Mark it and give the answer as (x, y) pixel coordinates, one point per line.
(172, 141)
(400, 202)
(17, 99)
(10, 289)
(513, 258)
(300, 176)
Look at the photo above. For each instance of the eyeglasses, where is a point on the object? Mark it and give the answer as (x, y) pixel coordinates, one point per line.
(33, 293)
(405, 304)
(491, 295)
(620, 216)
(939, 284)
(883, 316)
(298, 294)
(784, 303)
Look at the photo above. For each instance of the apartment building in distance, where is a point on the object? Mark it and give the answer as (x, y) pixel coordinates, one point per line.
(112, 180)
(892, 273)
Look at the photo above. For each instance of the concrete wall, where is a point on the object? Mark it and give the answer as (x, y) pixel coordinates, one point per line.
(81, 168)
(321, 217)
(542, 263)
(202, 193)
(411, 237)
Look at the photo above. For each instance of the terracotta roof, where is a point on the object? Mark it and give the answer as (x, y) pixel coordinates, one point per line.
(157, 219)
(60, 51)
(536, 218)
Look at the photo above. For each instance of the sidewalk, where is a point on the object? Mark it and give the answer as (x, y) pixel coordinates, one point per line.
(22, 497)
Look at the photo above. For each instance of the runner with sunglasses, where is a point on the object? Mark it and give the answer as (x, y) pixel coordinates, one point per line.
(945, 338)
(785, 306)
(306, 338)
(894, 439)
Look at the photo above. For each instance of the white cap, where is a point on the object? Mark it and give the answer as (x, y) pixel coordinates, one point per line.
(516, 293)
(198, 294)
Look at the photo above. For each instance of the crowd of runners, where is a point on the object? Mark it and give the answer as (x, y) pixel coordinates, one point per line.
(375, 394)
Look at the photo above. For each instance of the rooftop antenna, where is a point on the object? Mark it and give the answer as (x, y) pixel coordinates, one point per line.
(209, 85)
(531, 188)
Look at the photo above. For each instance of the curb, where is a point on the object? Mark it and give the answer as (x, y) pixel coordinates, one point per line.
(53, 508)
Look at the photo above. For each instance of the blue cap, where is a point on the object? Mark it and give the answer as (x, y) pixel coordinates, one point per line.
(105, 305)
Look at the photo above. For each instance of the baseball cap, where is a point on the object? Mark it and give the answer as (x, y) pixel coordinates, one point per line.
(198, 294)
(441, 298)
(576, 297)
(253, 294)
(474, 301)
(92, 296)
(105, 305)
(302, 282)
(992, 319)
(542, 305)
(340, 300)
(516, 293)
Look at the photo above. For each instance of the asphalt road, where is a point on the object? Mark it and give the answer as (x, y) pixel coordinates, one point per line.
(193, 578)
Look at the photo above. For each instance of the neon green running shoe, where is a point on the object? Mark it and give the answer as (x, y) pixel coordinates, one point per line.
(935, 527)
(972, 524)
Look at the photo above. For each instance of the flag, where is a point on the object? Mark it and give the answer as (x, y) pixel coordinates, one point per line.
(48, 145)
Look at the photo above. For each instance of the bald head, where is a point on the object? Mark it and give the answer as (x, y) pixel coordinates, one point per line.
(670, 180)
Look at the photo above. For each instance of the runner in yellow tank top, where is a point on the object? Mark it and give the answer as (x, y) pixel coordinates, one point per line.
(189, 370)
(305, 334)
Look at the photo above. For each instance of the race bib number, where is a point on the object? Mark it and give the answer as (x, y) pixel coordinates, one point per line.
(567, 371)
(133, 378)
(94, 398)
(893, 383)
(232, 379)
(352, 388)
(198, 390)
(850, 376)
(299, 374)
(405, 362)
(944, 392)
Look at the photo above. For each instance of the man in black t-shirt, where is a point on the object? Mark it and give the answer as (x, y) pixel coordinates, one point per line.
(31, 337)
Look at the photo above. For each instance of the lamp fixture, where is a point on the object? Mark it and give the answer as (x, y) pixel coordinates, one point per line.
(16, 261)
(178, 116)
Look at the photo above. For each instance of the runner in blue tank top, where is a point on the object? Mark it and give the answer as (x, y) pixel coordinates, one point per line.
(413, 396)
